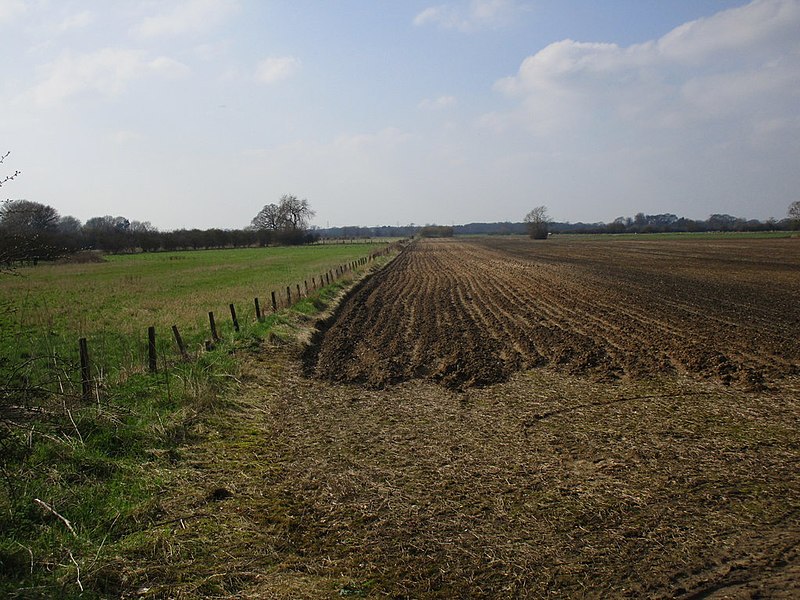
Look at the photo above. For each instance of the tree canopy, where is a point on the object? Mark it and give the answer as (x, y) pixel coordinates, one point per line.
(25, 217)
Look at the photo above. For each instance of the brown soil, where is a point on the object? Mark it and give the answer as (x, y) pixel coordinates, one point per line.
(472, 313)
(626, 466)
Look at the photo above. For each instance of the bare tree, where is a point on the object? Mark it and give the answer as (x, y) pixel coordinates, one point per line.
(296, 213)
(268, 218)
(286, 222)
(142, 227)
(537, 221)
(794, 213)
(107, 223)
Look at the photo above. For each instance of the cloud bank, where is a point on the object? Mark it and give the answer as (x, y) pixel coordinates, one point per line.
(107, 71)
(740, 65)
(704, 115)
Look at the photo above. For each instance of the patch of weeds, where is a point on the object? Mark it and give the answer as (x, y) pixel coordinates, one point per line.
(356, 590)
(310, 305)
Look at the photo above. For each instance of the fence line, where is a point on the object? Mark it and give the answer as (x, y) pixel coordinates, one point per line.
(329, 277)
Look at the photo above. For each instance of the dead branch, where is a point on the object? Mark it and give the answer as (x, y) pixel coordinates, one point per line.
(63, 519)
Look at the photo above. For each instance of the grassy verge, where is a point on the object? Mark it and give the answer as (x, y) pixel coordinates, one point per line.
(80, 478)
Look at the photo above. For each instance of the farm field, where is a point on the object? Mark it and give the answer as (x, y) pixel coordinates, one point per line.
(506, 418)
(113, 302)
(473, 313)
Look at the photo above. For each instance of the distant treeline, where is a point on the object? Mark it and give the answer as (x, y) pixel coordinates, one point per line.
(49, 245)
(640, 223)
(667, 222)
(30, 231)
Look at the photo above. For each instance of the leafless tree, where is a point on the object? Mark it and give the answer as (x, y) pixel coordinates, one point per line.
(537, 221)
(286, 222)
(268, 218)
(794, 213)
(296, 213)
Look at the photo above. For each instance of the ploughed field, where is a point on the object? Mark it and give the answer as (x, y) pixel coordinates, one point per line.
(502, 418)
(468, 313)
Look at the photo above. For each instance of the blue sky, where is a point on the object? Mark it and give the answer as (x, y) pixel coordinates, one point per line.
(196, 113)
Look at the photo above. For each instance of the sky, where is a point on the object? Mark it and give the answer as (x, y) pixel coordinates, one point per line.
(197, 113)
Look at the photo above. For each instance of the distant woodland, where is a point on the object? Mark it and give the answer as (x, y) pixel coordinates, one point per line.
(30, 231)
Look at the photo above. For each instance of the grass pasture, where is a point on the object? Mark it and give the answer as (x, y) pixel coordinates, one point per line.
(114, 302)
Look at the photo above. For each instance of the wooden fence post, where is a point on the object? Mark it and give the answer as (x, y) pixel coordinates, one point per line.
(274, 303)
(314, 283)
(214, 334)
(288, 296)
(179, 341)
(152, 363)
(235, 320)
(305, 283)
(299, 295)
(86, 374)
(258, 311)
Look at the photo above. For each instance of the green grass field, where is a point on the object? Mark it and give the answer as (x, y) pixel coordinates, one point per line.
(114, 302)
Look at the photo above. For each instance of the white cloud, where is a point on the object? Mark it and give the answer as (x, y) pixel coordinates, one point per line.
(275, 68)
(440, 103)
(477, 14)
(684, 77)
(760, 25)
(703, 118)
(107, 72)
(188, 16)
(10, 9)
(76, 21)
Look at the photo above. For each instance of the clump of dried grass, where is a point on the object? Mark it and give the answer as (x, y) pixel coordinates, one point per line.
(543, 485)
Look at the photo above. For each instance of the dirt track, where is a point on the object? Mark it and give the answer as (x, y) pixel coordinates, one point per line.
(472, 313)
